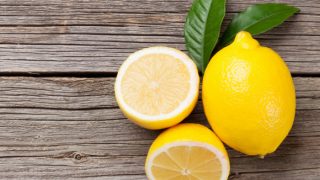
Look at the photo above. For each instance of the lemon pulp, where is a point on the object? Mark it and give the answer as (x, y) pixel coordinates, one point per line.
(187, 160)
(156, 84)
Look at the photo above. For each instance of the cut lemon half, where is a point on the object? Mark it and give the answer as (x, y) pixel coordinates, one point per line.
(157, 87)
(187, 152)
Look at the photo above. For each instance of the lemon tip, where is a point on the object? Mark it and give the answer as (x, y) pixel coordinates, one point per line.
(245, 40)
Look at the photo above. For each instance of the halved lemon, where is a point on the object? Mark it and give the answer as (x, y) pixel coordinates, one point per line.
(157, 87)
(187, 151)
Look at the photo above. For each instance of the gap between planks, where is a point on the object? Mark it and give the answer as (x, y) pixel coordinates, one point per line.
(106, 74)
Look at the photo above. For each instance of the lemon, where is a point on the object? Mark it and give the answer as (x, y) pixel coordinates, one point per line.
(249, 96)
(187, 151)
(157, 87)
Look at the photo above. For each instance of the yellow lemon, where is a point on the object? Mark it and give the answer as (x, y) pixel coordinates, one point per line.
(157, 87)
(187, 151)
(249, 96)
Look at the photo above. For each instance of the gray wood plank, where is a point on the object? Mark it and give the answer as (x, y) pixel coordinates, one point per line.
(305, 174)
(72, 128)
(97, 36)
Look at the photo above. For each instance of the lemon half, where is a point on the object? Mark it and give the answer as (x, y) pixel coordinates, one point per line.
(187, 151)
(157, 87)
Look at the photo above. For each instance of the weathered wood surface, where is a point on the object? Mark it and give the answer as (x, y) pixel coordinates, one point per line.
(65, 128)
(72, 127)
(58, 36)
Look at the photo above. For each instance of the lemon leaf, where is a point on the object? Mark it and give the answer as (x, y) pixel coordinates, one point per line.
(202, 30)
(257, 19)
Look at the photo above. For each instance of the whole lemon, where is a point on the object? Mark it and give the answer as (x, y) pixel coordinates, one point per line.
(249, 96)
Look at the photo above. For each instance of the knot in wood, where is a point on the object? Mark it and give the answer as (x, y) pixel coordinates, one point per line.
(78, 156)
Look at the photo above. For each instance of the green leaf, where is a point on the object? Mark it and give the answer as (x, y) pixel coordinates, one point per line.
(202, 30)
(257, 19)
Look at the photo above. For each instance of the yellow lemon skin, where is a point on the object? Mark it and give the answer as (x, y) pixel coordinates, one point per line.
(249, 96)
(188, 132)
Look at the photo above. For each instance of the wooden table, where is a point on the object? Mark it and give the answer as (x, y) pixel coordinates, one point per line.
(58, 62)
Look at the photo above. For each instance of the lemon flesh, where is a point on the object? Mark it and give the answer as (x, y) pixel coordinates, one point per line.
(156, 84)
(157, 87)
(187, 151)
(249, 96)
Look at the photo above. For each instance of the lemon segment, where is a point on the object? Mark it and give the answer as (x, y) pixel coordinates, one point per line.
(249, 96)
(187, 151)
(157, 87)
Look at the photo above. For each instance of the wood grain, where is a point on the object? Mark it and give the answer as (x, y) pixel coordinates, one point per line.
(72, 128)
(55, 36)
(68, 128)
